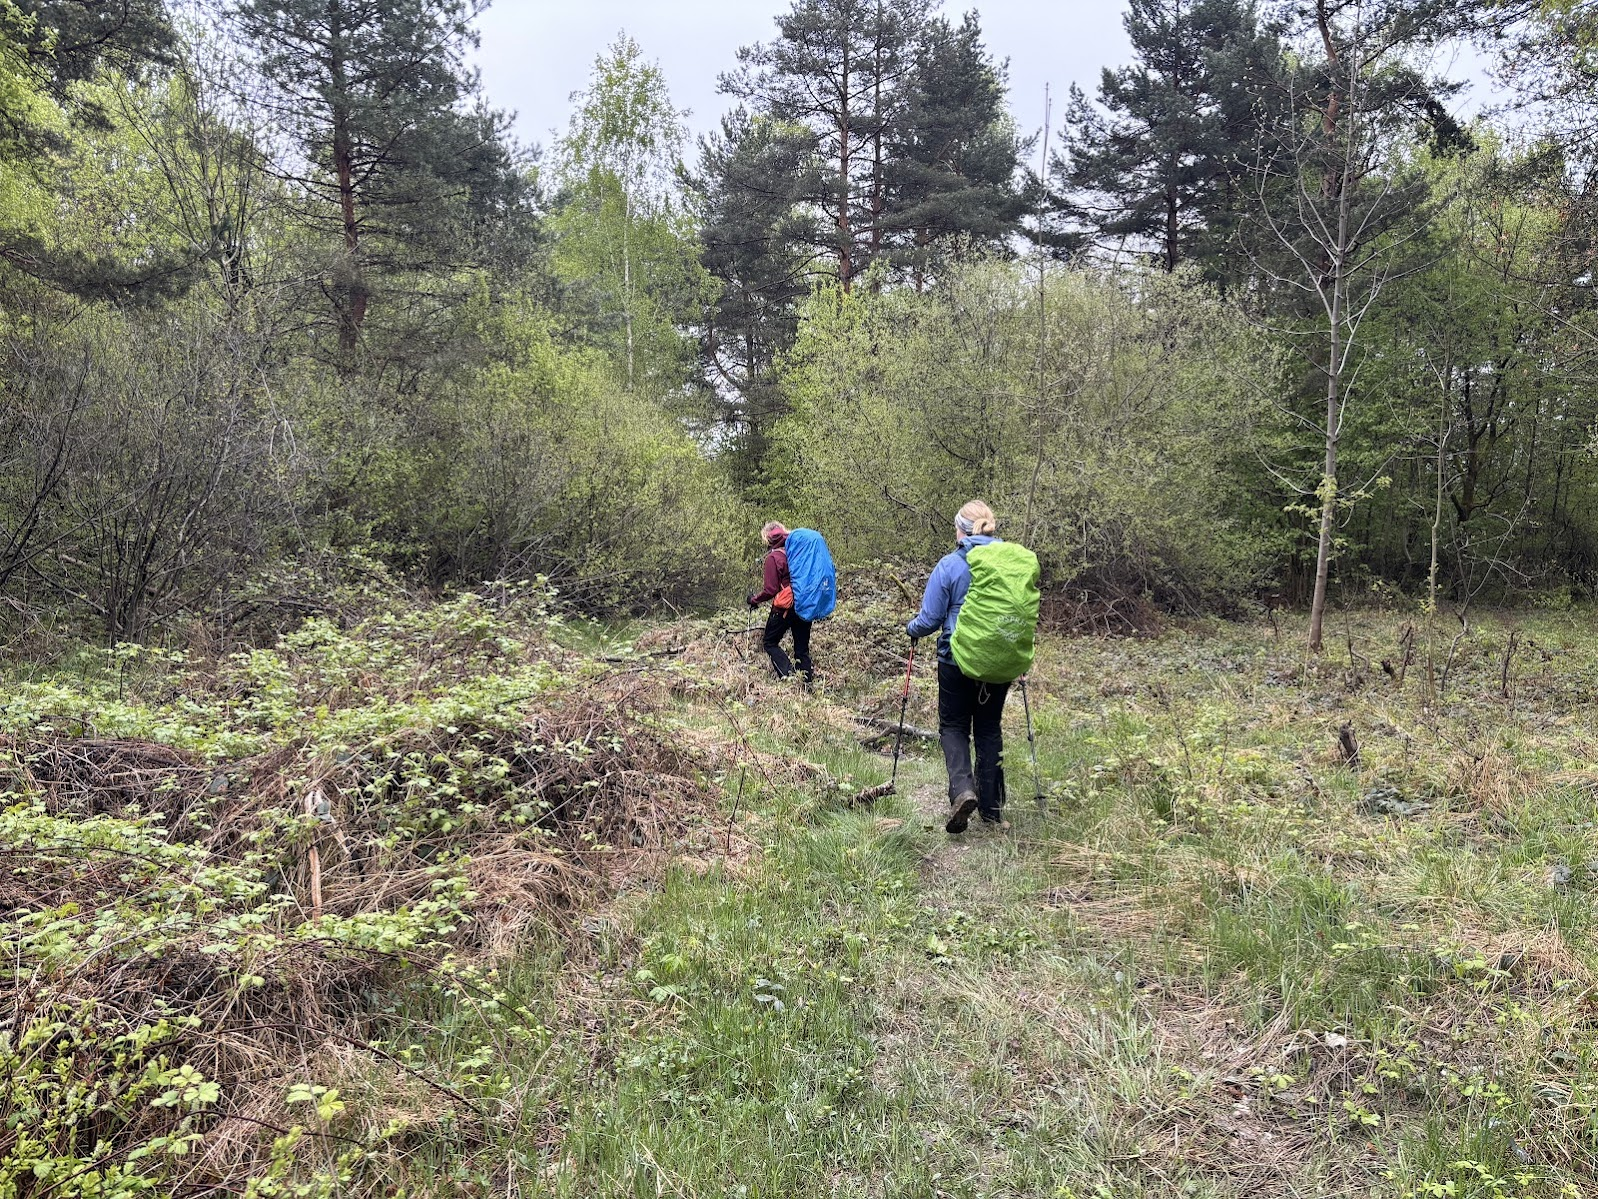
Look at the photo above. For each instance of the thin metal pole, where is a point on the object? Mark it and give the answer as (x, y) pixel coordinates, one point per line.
(1032, 741)
(904, 706)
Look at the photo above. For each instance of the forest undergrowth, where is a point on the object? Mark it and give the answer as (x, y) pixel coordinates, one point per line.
(458, 897)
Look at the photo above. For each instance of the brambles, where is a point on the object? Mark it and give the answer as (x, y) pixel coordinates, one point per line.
(197, 937)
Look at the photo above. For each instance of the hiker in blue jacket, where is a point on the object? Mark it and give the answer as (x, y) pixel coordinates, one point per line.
(968, 710)
(777, 587)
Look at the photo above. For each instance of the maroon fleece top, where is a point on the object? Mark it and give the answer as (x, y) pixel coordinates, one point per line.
(774, 576)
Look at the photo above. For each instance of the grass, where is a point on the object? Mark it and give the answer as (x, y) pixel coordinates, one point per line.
(1218, 962)
(1217, 966)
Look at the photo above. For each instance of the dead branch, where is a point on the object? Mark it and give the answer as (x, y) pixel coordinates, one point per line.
(887, 728)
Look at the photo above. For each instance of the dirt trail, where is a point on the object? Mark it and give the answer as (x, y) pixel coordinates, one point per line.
(943, 853)
(956, 871)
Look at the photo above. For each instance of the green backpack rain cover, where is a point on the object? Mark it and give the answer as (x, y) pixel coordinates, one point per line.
(993, 638)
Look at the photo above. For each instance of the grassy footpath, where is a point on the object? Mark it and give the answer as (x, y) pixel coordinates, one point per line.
(1223, 963)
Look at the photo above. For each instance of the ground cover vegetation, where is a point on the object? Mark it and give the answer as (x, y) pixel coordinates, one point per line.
(452, 895)
(390, 802)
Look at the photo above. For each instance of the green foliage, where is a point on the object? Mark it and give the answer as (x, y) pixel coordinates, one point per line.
(24, 106)
(1107, 451)
(639, 276)
(540, 461)
(516, 397)
(625, 247)
(66, 74)
(1489, 398)
(164, 479)
(27, 110)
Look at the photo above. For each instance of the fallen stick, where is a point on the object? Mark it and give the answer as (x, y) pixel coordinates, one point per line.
(872, 794)
(313, 800)
(892, 726)
(670, 652)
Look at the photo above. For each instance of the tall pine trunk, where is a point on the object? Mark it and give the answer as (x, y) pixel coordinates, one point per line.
(878, 199)
(1172, 211)
(349, 293)
(845, 230)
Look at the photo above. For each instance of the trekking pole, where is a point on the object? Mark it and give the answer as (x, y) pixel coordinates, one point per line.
(1032, 742)
(890, 787)
(904, 707)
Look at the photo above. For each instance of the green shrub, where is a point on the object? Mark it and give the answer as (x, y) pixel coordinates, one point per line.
(1108, 449)
(540, 462)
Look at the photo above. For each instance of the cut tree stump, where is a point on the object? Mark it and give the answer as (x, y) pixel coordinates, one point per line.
(1348, 746)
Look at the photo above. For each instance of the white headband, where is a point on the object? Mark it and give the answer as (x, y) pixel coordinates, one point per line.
(965, 524)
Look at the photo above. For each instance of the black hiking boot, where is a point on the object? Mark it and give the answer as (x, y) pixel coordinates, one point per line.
(964, 804)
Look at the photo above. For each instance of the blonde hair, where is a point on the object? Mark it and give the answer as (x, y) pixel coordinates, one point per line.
(771, 531)
(979, 517)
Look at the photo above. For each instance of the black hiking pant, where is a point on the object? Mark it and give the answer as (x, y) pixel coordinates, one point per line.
(971, 711)
(779, 623)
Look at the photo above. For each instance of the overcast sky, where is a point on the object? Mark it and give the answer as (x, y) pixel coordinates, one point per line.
(535, 53)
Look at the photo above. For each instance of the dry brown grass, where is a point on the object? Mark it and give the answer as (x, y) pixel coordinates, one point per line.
(614, 799)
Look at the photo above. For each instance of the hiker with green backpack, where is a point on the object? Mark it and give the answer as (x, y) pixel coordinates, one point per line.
(982, 601)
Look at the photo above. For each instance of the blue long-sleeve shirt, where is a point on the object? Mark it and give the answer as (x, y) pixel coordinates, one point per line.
(945, 594)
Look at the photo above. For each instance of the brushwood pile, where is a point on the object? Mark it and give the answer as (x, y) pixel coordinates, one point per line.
(218, 869)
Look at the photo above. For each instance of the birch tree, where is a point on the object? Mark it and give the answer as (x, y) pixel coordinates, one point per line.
(1340, 200)
(623, 233)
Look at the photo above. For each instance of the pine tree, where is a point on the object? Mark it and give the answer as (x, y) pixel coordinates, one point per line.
(70, 41)
(1156, 164)
(954, 153)
(759, 242)
(839, 70)
(400, 162)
